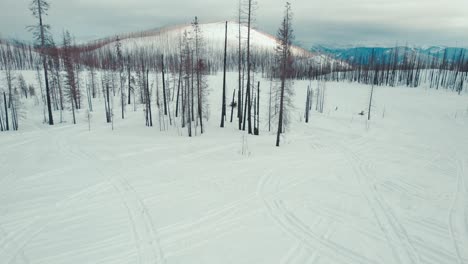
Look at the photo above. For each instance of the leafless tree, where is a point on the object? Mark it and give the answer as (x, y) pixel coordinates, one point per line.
(39, 9)
(285, 60)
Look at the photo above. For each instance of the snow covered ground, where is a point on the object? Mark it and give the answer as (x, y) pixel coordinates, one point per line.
(338, 190)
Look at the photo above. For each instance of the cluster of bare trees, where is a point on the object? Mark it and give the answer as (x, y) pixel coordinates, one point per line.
(68, 77)
(10, 99)
(17, 55)
(248, 66)
(192, 88)
(173, 82)
(402, 66)
(169, 81)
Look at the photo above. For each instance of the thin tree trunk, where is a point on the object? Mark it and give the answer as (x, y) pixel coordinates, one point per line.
(129, 86)
(239, 93)
(370, 103)
(269, 109)
(6, 112)
(164, 85)
(178, 90)
(249, 117)
(223, 109)
(44, 65)
(232, 104)
(280, 120)
(108, 110)
(149, 99)
(257, 111)
(73, 112)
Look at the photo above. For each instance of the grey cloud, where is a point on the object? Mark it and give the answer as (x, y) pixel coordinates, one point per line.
(381, 22)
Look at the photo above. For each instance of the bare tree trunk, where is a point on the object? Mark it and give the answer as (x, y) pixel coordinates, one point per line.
(73, 112)
(223, 109)
(370, 102)
(239, 93)
(108, 110)
(232, 104)
(248, 101)
(189, 103)
(1, 122)
(150, 115)
(164, 85)
(122, 94)
(257, 111)
(269, 109)
(307, 106)
(280, 120)
(6, 112)
(44, 65)
(285, 36)
(192, 112)
(129, 85)
(178, 90)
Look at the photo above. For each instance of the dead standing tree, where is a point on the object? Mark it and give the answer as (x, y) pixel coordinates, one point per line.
(39, 9)
(248, 101)
(223, 109)
(70, 77)
(285, 59)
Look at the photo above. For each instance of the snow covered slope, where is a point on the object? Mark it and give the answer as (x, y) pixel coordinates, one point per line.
(339, 189)
(167, 39)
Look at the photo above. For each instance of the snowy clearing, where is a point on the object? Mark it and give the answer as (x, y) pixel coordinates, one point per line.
(338, 190)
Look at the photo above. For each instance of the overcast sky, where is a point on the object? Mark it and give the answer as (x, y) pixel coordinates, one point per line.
(339, 22)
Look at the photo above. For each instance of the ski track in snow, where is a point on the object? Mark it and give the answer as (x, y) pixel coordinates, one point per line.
(142, 227)
(317, 243)
(403, 246)
(146, 240)
(458, 215)
(16, 242)
(4, 241)
(397, 237)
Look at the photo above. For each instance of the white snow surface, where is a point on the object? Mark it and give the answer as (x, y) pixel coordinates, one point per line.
(338, 190)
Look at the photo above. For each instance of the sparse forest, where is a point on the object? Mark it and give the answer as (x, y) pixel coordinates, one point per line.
(169, 81)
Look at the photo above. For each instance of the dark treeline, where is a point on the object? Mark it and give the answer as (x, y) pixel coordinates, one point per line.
(401, 67)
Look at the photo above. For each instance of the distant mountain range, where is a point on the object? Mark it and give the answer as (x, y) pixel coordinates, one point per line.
(364, 53)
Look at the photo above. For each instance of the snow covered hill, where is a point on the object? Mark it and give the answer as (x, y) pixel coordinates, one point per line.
(167, 39)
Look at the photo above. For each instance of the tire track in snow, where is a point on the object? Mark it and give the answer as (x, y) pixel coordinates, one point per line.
(224, 220)
(362, 144)
(3, 241)
(179, 242)
(402, 247)
(213, 216)
(298, 254)
(143, 230)
(16, 242)
(458, 215)
(136, 208)
(346, 221)
(317, 244)
(146, 241)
